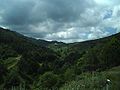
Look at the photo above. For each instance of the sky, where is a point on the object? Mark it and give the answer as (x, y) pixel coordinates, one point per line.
(61, 20)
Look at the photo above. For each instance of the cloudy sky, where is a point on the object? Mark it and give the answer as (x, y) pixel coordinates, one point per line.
(61, 20)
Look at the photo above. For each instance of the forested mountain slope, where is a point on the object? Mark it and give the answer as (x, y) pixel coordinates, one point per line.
(37, 64)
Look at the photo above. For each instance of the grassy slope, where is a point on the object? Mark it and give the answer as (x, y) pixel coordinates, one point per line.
(96, 81)
(11, 62)
(114, 75)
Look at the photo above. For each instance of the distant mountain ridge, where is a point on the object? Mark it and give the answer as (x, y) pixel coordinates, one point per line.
(37, 41)
(46, 43)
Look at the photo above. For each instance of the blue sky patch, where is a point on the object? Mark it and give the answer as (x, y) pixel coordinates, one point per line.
(111, 30)
(108, 14)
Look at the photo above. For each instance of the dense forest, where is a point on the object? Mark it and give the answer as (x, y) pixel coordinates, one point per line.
(33, 64)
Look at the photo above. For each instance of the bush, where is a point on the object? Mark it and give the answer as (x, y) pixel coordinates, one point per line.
(48, 80)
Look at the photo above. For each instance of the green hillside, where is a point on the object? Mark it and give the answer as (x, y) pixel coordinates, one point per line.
(33, 64)
(96, 81)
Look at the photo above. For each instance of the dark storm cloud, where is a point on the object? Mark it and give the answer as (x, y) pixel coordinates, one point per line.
(34, 11)
(62, 10)
(20, 14)
(16, 12)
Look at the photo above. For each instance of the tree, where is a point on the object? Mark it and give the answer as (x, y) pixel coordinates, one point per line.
(110, 54)
(90, 61)
(49, 80)
(69, 75)
(3, 72)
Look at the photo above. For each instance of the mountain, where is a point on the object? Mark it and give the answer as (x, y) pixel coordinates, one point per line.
(91, 43)
(12, 35)
(21, 56)
(34, 64)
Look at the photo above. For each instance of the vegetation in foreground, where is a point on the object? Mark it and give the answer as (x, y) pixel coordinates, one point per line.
(88, 81)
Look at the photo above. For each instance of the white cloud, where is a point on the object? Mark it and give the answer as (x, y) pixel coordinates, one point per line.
(90, 24)
(107, 2)
(42, 27)
(97, 33)
(104, 2)
(116, 11)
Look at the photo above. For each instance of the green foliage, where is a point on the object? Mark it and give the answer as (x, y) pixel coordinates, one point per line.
(90, 61)
(28, 66)
(3, 72)
(86, 81)
(48, 80)
(69, 75)
(6, 51)
(110, 53)
(114, 75)
(101, 57)
(12, 80)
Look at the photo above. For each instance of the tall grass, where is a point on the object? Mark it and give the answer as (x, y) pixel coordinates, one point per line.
(96, 81)
(87, 81)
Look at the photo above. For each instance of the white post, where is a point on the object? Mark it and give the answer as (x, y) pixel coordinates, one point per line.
(107, 86)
